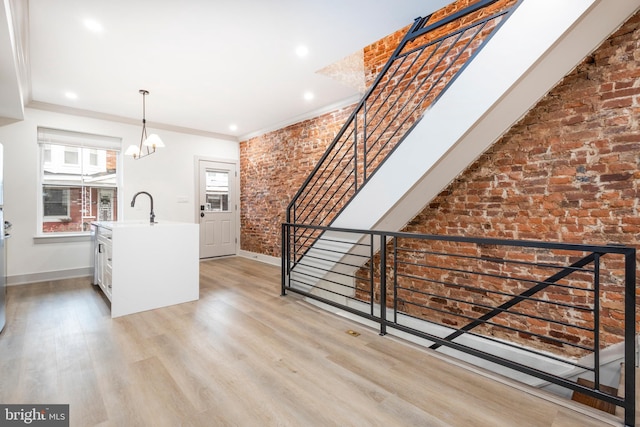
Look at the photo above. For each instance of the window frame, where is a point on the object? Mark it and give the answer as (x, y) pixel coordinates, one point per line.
(85, 144)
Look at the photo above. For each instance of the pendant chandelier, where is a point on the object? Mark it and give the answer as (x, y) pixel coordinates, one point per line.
(148, 144)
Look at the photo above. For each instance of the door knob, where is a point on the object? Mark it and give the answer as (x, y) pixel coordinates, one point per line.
(201, 214)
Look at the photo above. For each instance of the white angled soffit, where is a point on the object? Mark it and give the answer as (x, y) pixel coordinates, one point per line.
(541, 42)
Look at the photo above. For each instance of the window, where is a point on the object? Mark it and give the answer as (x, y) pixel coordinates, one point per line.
(217, 191)
(93, 157)
(71, 156)
(55, 202)
(78, 180)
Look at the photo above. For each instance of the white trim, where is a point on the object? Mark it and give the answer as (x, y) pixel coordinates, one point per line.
(38, 105)
(62, 237)
(267, 259)
(119, 119)
(306, 116)
(25, 279)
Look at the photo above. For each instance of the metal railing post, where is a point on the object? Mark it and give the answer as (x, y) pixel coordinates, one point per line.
(285, 263)
(630, 337)
(364, 141)
(372, 275)
(383, 285)
(355, 152)
(596, 321)
(395, 280)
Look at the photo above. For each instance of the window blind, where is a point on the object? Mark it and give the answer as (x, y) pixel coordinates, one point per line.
(78, 139)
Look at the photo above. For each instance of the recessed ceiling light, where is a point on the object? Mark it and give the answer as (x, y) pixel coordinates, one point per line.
(233, 128)
(302, 51)
(308, 96)
(93, 25)
(71, 95)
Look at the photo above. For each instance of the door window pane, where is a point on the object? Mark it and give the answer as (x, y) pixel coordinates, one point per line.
(217, 191)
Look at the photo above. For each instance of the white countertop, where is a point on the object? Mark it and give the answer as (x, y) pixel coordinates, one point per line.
(138, 224)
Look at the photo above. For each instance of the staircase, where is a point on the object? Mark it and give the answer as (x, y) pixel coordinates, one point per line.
(449, 91)
(402, 146)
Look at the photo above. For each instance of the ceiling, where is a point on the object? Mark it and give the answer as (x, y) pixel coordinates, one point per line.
(208, 64)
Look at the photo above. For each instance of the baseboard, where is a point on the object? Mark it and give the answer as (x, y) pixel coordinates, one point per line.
(24, 279)
(267, 259)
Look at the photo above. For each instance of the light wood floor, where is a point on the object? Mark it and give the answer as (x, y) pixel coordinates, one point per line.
(240, 356)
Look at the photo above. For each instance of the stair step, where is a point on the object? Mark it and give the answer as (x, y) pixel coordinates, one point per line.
(592, 401)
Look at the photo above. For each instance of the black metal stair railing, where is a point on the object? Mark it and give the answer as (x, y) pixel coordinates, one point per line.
(539, 287)
(426, 61)
(554, 307)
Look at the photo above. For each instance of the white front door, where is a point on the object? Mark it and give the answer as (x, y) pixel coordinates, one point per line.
(217, 208)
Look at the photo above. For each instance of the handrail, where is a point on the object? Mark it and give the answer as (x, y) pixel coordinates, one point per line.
(451, 18)
(438, 288)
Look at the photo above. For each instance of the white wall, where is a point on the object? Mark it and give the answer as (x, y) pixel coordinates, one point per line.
(168, 175)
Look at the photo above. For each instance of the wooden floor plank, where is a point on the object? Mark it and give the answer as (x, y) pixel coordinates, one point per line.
(242, 355)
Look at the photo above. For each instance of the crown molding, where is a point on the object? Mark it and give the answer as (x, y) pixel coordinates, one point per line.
(55, 108)
(306, 116)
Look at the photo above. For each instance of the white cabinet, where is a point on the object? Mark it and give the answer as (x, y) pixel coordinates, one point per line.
(141, 267)
(104, 260)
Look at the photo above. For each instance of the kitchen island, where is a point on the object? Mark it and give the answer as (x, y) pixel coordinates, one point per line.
(142, 266)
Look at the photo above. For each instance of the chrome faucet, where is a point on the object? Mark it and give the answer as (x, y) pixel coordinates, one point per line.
(152, 216)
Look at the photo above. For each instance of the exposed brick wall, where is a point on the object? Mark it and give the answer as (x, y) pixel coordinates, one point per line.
(274, 166)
